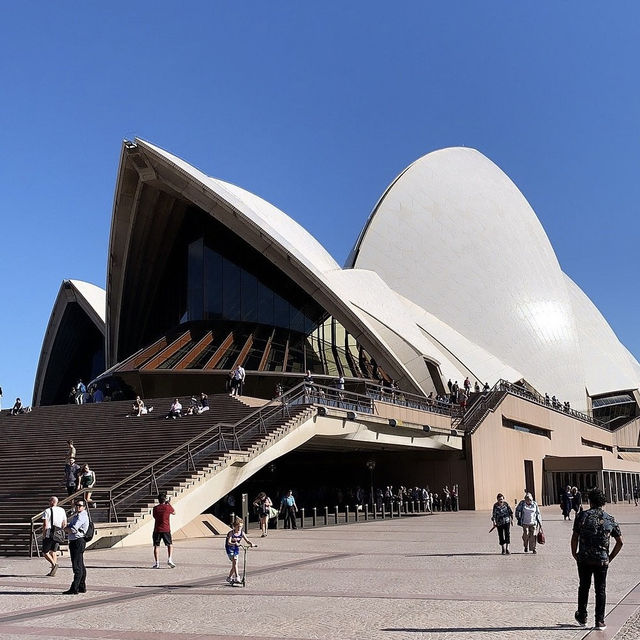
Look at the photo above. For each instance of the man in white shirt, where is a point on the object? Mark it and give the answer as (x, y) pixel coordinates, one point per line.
(238, 378)
(52, 518)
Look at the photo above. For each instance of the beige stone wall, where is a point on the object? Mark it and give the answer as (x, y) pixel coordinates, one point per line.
(499, 453)
(629, 435)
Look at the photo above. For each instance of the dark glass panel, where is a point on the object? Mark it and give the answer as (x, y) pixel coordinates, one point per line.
(212, 284)
(280, 312)
(231, 290)
(296, 321)
(265, 305)
(249, 296)
(195, 281)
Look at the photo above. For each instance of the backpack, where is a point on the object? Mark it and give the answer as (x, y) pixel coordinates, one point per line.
(91, 530)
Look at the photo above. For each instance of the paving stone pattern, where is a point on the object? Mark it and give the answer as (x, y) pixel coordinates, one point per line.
(422, 577)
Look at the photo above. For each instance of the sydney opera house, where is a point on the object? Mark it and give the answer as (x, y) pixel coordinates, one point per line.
(451, 277)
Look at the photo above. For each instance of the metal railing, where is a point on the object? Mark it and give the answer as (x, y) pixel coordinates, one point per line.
(533, 396)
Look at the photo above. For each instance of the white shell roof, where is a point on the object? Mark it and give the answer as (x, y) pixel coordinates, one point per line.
(278, 225)
(94, 296)
(608, 365)
(454, 235)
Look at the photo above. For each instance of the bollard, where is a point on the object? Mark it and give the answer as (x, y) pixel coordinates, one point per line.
(406, 507)
(302, 518)
(384, 511)
(356, 514)
(314, 517)
(232, 515)
(326, 516)
(246, 522)
(366, 512)
(346, 514)
(336, 513)
(374, 506)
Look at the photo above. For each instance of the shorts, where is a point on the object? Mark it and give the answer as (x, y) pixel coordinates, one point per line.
(232, 553)
(49, 544)
(159, 536)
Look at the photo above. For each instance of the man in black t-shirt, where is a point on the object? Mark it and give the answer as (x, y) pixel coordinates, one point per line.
(592, 530)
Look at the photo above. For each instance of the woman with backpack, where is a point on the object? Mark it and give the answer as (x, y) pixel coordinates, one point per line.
(86, 480)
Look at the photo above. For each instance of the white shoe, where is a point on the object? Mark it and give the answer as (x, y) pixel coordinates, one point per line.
(229, 580)
(155, 566)
(171, 564)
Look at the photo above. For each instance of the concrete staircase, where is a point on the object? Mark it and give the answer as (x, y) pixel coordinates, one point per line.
(177, 454)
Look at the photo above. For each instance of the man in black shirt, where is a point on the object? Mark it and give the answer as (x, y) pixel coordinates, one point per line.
(592, 530)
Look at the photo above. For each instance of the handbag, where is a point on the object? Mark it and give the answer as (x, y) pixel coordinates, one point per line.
(57, 534)
(540, 537)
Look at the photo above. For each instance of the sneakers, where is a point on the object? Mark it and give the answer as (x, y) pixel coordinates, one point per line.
(507, 552)
(229, 580)
(502, 551)
(581, 620)
(526, 550)
(155, 565)
(171, 564)
(600, 625)
(533, 551)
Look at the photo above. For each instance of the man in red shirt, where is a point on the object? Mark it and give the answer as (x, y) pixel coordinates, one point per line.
(162, 529)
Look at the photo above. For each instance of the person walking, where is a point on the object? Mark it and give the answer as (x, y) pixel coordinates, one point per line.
(528, 517)
(289, 509)
(502, 518)
(237, 380)
(592, 531)
(262, 503)
(87, 480)
(576, 500)
(76, 528)
(54, 518)
(71, 471)
(232, 548)
(566, 503)
(162, 512)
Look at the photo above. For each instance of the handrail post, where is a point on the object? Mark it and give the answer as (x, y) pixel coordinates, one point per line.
(302, 518)
(336, 512)
(366, 512)
(384, 511)
(314, 517)
(346, 514)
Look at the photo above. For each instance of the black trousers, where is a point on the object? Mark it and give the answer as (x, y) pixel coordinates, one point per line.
(599, 573)
(290, 518)
(76, 549)
(504, 533)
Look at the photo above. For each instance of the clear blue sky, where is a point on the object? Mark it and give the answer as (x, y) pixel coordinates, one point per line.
(315, 107)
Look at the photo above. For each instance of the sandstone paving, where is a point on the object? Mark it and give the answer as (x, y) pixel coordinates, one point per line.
(437, 576)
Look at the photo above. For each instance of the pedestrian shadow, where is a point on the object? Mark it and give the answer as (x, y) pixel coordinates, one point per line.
(450, 555)
(557, 627)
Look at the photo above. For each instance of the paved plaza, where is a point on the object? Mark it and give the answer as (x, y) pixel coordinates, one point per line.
(437, 576)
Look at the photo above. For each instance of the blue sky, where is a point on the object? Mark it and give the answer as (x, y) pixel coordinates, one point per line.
(315, 107)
